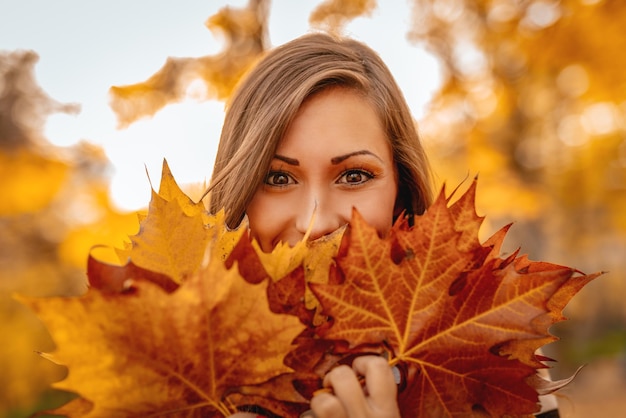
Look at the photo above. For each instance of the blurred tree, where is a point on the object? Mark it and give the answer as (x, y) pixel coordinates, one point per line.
(333, 15)
(54, 206)
(244, 31)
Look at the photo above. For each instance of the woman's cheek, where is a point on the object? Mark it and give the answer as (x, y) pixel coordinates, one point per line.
(377, 210)
(268, 214)
(261, 229)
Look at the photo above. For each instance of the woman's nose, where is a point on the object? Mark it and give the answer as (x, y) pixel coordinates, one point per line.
(318, 217)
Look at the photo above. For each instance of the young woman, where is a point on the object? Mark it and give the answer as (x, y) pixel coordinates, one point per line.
(319, 126)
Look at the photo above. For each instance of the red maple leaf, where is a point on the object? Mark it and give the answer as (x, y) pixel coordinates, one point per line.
(461, 324)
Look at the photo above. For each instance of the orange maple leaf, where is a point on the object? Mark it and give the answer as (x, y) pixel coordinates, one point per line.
(462, 324)
(165, 331)
(146, 352)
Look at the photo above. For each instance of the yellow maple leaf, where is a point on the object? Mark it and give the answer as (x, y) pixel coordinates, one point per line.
(175, 234)
(148, 352)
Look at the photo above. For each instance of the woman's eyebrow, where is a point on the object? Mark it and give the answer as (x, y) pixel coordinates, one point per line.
(290, 161)
(340, 158)
(333, 161)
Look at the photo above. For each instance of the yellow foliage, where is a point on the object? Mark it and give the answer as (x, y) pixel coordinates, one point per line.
(109, 227)
(51, 214)
(28, 181)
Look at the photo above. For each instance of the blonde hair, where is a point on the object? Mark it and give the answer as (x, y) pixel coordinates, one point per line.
(268, 98)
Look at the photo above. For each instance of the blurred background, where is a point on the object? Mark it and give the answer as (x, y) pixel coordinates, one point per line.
(528, 95)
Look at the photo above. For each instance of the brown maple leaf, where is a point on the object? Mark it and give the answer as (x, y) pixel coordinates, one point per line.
(462, 324)
(145, 352)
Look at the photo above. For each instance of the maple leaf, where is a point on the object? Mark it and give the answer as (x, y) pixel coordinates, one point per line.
(284, 295)
(146, 352)
(174, 235)
(462, 324)
(113, 278)
(312, 259)
(315, 256)
(466, 220)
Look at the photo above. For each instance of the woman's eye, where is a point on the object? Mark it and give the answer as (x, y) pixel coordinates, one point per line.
(353, 177)
(277, 178)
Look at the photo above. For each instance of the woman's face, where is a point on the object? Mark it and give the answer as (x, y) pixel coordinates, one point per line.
(334, 156)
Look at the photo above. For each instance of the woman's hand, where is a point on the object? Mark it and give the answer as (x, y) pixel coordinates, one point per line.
(377, 399)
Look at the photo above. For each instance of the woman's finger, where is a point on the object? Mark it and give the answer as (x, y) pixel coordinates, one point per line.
(325, 405)
(379, 380)
(347, 389)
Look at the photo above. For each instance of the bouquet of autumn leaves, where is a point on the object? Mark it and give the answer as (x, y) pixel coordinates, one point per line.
(195, 321)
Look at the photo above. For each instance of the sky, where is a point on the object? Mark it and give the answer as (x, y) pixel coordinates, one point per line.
(85, 47)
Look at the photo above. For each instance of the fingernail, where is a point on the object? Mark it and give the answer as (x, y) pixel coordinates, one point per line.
(307, 414)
